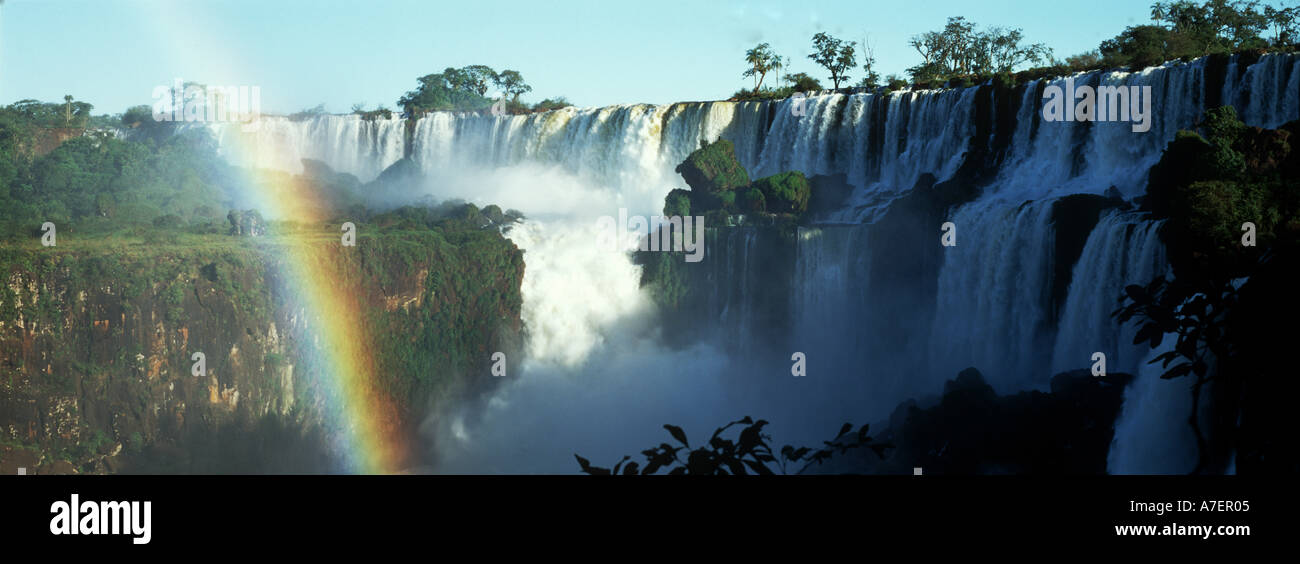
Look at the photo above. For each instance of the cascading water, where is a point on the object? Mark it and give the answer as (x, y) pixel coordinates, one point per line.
(350, 144)
(994, 290)
(1123, 249)
(993, 308)
(1151, 435)
(881, 143)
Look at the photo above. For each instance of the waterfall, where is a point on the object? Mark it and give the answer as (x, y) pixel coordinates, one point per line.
(1152, 435)
(734, 280)
(1268, 93)
(992, 293)
(350, 144)
(882, 143)
(1123, 249)
(830, 288)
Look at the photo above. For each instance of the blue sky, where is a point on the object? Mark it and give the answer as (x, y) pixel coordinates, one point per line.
(301, 53)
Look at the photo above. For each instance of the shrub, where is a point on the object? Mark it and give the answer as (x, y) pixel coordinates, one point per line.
(752, 201)
(787, 192)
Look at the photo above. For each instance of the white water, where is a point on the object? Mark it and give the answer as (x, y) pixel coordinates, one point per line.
(994, 289)
(1152, 435)
(1123, 249)
(345, 143)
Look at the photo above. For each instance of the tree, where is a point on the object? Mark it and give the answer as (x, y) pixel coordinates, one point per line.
(438, 92)
(478, 78)
(761, 61)
(778, 63)
(1186, 29)
(455, 78)
(959, 50)
(1000, 50)
(551, 104)
(1216, 26)
(1283, 23)
(835, 55)
(512, 84)
(870, 78)
(801, 82)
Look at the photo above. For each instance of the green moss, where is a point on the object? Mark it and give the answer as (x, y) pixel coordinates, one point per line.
(713, 168)
(752, 200)
(786, 192)
(678, 203)
(1208, 187)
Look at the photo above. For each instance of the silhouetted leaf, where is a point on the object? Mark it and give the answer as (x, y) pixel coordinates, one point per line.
(1177, 371)
(678, 434)
(588, 468)
(620, 464)
(736, 467)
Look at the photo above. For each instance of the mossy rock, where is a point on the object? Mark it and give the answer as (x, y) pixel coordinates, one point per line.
(1208, 187)
(713, 168)
(677, 203)
(786, 192)
(751, 200)
(493, 212)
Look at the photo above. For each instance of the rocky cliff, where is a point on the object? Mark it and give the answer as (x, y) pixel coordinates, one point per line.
(98, 345)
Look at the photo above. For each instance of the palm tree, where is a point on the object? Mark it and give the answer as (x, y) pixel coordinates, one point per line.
(760, 59)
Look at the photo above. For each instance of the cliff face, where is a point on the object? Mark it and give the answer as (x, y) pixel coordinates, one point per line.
(98, 345)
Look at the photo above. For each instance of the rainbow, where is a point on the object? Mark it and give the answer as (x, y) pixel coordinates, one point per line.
(321, 278)
(370, 441)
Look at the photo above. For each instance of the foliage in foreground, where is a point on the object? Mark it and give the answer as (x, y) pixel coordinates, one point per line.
(748, 453)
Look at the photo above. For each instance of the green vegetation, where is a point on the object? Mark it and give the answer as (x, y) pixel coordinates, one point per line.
(465, 89)
(438, 92)
(154, 260)
(961, 55)
(785, 192)
(835, 55)
(1221, 305)
(380, 112)
(762, 60)
(1207, 186)
(958, 50)
(748, 453)
(95, 185)
(713, 169)
(1185, 30)
(719, 184)
(551, 104)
